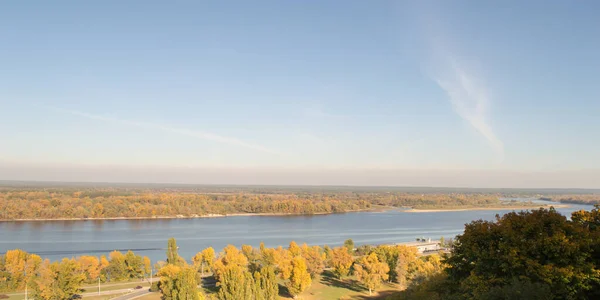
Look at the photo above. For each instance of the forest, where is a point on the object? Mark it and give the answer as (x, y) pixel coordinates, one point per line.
(119, 202)
(574, 198)
(535, 254)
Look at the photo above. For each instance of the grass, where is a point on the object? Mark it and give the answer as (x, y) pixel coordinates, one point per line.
(329, 287)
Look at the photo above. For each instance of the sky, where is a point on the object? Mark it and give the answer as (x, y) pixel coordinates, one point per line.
(400, 93)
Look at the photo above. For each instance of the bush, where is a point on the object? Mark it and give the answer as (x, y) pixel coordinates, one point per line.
(154, 287)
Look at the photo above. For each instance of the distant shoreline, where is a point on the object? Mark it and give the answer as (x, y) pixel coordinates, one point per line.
(373, 209)
(189, 217)
(416, 210)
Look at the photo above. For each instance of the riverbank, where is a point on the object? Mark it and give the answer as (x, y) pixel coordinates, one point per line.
(372, 209)
(521, 207)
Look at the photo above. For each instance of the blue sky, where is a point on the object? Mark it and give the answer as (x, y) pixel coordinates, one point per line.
(300, 85)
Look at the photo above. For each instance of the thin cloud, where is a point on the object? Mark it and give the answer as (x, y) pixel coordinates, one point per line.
(168, 129)
(470, 101)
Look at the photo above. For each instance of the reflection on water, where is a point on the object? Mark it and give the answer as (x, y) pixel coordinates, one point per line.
(58, 239)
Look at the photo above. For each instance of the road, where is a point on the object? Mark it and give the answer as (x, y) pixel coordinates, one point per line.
(133, 295)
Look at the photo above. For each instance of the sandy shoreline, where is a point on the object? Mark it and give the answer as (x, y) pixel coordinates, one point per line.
(414, 210)
(376, 209)
(185, 217)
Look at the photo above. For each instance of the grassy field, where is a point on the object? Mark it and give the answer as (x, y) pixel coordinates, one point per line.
(329, 287)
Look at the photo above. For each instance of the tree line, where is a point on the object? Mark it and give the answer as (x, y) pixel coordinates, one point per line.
(63, 279)
(574, 199)
(46, 203)
(240, 273)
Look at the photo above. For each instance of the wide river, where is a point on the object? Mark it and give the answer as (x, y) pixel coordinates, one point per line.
(56, 239)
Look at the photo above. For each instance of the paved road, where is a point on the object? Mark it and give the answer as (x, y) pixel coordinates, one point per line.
(133, 295)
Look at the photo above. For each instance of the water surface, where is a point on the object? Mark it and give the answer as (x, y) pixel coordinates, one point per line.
(56, 239)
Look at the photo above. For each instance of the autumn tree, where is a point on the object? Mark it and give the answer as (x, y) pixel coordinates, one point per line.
(235, 283)
(116, 270)
(267, 282)
(230, 258)
(294, 249)
(147, 266)
(299, 279)
(371, 272)
(341, 261)
(204, 260)
(315, 259)
(134, 265)
(58, 280)
(90, 266)
(253, 257)
(405, 265)
(179, 283)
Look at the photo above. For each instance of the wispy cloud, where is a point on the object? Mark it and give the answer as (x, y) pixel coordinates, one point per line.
(169, 129)
(470, 100)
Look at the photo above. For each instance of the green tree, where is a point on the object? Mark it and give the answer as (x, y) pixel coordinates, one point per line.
(371, 272)
(349, 244)
(268, 283)
(117, 269)
(173, 253)
(300, 278)
(134, 265)
(540, 245)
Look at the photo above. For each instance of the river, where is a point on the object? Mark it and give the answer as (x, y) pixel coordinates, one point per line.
(56, 239)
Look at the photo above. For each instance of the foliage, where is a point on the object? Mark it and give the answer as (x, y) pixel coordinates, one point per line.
(371, 272)
(341, 261)
(114, 202)
(58, 281)
(230, 258)
(299, 279)
(541, 246)
(315, 259)
(204, 260)
(16, 268)
(349, 244)
(121, 267)
(267, 281)
(178, 283)
(173, 253)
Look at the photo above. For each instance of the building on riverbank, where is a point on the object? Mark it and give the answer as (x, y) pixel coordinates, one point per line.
(425, 245)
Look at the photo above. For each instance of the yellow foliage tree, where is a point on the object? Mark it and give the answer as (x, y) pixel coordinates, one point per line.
(406, 263)
(147, 265)
(371, 272)
(294, 249)
(315, 259)
(231, 257)
(299, 279)
(341, 261)
(90, 266)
